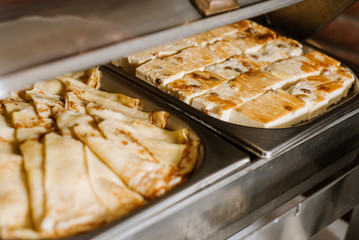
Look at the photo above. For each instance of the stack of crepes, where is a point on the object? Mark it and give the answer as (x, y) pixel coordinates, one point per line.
(73, 158)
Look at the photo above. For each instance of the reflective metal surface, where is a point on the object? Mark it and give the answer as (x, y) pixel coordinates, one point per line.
(239, 198)
(41, 39)
(265, 142)
(305, 18)
(306, 216)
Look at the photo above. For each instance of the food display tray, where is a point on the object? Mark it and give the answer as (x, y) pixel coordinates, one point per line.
(217, 159)
(265, 142)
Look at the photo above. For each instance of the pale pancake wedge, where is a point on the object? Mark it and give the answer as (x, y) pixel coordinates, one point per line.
(14, 202)
(33, 155)
(70, 203)
(149, 178)
(109, 188)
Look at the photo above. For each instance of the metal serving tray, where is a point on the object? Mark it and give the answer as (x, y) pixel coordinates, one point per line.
(218, 158)
(261, 141)
(224, 206)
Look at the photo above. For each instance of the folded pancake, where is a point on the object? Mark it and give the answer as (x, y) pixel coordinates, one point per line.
(164, 152)
(151, 131)
(193, 84)
(67, 120)
(74, 103)
(90, 77)
(14, 202)
(53, 86)
(7, 134)
(158, 118)
(33, 155)
(144, 175)
(45, 103)
(77, 87)
(70, 204)
(109, 188)
(271, 110)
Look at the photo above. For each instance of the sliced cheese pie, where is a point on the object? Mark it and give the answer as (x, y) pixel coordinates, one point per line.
(271, 110)
(160, 72)
(293, 69)
(193, 84)
(220, 101)
(319, 92)
(131, 62)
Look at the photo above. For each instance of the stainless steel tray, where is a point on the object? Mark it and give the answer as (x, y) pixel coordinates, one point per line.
(218, 158)
(260, 141)
(227, 192)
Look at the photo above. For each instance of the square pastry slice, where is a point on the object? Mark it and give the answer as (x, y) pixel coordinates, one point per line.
(160, 72)
(319, 92)
(193, 84)
(295, 68)
(341, 76)
(216, 103)
(252, 38)
(270, 111)
(220, 101)
(235, 66)
(279, 49)
(131, 62)
(306, 91)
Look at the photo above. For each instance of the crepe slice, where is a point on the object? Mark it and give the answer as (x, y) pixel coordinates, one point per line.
(14, 205)
(13, 104)
(279, 49)
(272, 110)
(74, 103)
(45, 103)
(33, 155)
(104, 111)
(70, 204)
(90, 77)
(66, 120)
(292, 69)
(151, 131)
(164, 152)
(160, 72)
(109, 188)
(91, 93)
(193, 84)
(7, 134)
(28, 124)
(53, 86)
(131, 62)
(149, 178)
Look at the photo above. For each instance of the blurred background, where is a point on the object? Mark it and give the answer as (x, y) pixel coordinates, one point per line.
(341, 36)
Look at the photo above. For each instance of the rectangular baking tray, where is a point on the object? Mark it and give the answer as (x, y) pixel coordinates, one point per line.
(261, 141)
(218, 158)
